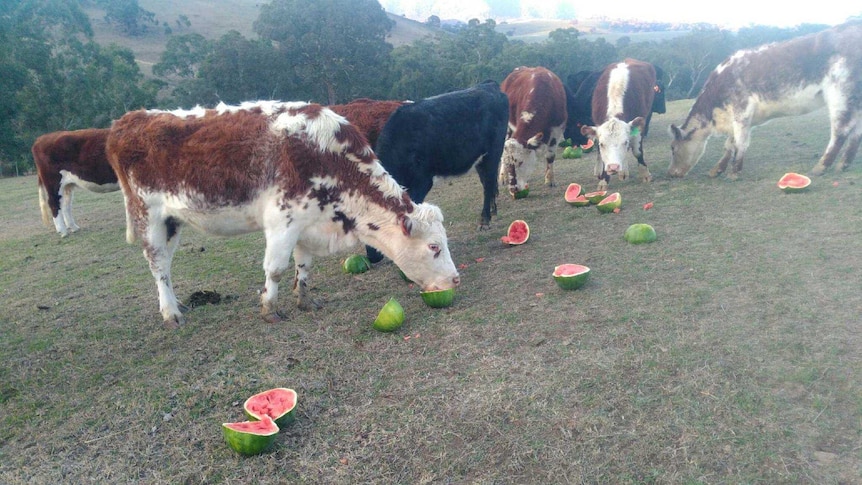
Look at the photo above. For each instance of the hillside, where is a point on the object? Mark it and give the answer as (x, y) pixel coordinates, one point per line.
(212, 19)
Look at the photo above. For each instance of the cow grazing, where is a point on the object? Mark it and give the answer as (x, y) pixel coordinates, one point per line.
(446, 136)
(65, 160)
(622, 101)
(297, 171)
(537, 118)
(368, 115)
(788, 78)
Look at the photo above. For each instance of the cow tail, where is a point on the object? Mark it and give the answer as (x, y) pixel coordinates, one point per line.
(47, 219)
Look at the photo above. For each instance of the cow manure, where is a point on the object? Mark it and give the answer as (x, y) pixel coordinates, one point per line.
(200, 298)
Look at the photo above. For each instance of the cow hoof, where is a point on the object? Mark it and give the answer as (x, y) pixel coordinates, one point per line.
(308, 304)
(183, 308)
(484, 226)
(818, 170)
(733, 176)
(174, 322)
(274, 317)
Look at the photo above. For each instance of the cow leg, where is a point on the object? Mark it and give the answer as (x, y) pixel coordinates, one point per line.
(276, 261)
(852, 149)
(162, 240)
(487, 171)
(53, 190)
(729, 154)
(303, 259)
(599, 171)
(549, 168)
(836, 142)
(66, 208)
(643, 171)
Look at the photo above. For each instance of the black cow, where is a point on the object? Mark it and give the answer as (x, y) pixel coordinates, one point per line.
(445, 136)
(579, 96)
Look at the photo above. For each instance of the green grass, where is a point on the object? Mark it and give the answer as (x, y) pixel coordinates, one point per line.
(725, 352)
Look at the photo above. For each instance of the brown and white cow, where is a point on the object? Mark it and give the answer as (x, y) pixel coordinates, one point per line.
(297, 171)
(622, 102)
(537, 118)
(788, 78)
(66, 160)
(368, 115)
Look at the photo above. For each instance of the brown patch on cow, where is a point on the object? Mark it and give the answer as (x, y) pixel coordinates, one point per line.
(639, 92)
(537, 91)
(369, 116)
(81, 152)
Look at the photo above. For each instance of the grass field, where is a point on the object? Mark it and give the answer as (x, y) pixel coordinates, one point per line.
(728, 351)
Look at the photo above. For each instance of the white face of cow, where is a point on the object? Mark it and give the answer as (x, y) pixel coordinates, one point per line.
(615, 138)
(418, 245)
(686, 148)
(517, 165)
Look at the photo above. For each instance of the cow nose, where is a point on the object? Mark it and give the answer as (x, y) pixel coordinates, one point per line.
(612, 169)
(456, 280)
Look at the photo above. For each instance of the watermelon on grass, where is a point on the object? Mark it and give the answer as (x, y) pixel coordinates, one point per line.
(439, 299)
(279, 404)
(575, 195)
(571, 276)
(793, 182)
(518, 233)
(250, 437)
(610, 203)
(597, 196)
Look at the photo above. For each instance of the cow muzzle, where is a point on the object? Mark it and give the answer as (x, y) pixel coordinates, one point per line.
(612, 169)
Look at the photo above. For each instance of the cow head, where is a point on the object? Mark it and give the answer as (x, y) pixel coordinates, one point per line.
(418, 245)
(614, 138)
(686, 146)
(519, 161)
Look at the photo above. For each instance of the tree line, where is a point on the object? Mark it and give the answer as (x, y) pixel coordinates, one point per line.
(54, 76)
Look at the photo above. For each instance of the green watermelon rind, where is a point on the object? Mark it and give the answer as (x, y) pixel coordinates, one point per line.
(282, 420)
(640, 233)
(249, 443)
(607, 205)
(390, 318)
(439, 299)
(572, 282)
(356, 264)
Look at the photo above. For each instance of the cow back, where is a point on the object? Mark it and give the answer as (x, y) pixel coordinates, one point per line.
(368, 115)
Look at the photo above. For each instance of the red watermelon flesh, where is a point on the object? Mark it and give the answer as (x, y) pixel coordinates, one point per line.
(278, 404)
(569, 269)
(518, 233)
(263, 427)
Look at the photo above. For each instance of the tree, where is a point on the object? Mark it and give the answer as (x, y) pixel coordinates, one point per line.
(337, 45)
(128, 16)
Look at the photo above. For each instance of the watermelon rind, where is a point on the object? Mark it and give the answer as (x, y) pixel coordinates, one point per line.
(439, 299)
(588, 146)
(356, 264)
(508, 238)
(573, 192)
(596, 197)
(609, 203)
(250, 437)
(640, 233)
(390, 318)
(270, 403)
(571, 281)
(521, 194)
(793, 182)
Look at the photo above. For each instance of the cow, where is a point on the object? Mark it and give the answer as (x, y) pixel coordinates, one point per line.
(296, 171)
(622, 101)
(579, 100)
(787, 78)
(66, 160)
(445, 136)
(537, 118)
(368, 115)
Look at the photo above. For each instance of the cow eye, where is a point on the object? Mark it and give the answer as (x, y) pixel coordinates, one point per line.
(434, 249)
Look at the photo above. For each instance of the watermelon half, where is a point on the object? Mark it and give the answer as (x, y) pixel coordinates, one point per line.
(356, 264)
(278, 404)
(518, 233)
(571, 276)
(610, 203)
(522, 194)
(250, 437)
(588, 146)
(793, 182)
(575, 195)
(439, 299)
(596, 197)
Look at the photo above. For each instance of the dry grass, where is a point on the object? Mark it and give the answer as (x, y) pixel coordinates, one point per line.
(725, 352)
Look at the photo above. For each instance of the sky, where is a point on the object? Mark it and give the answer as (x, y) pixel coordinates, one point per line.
(725, 13)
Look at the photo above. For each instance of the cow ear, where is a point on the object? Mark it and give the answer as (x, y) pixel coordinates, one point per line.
(675, 132)
(588, 131)
(637, 125)
(406, 224)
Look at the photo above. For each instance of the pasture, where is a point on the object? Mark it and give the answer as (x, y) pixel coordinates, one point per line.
(728, 351)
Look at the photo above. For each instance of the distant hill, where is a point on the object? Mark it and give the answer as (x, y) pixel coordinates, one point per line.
(212, 19)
